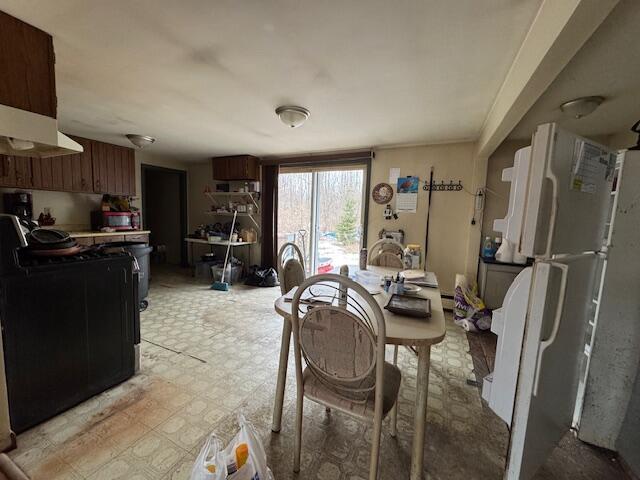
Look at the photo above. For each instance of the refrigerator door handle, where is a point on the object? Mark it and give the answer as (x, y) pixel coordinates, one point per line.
(554, 213)
(544, 344)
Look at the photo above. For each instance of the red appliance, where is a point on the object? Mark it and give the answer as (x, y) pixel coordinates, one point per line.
(115, 220)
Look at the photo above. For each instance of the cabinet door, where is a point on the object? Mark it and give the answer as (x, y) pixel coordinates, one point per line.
(24, 176)
(100, 166)
(109, 326)
(57, 173)
(27, 65)
(7, 171)
(45, 342)
(42, 174)
(128, 172)
(220, 168)
(81, 169)
(238, 167)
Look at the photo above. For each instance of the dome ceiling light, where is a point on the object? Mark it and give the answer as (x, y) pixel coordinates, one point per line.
(292, 116)
(581, 107)
(140, 141)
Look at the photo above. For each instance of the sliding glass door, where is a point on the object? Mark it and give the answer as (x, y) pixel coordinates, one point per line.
(322, 210)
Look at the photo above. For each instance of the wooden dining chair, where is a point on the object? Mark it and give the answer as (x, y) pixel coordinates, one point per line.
(342, 341)
(291, 272)
(386, 253)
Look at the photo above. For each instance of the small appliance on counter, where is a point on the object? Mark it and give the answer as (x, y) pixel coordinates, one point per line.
(115, 220)
(19, 204)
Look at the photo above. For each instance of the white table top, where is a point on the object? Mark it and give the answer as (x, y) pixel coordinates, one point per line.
(401, 330)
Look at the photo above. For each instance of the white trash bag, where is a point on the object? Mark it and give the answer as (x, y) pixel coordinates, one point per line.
(243, 459)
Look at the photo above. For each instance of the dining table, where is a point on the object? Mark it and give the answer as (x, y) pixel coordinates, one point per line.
(418, 333)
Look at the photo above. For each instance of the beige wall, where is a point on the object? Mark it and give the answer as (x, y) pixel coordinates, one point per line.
(71, 210)
(451, 212)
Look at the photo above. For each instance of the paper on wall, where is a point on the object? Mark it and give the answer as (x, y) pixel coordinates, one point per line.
(407, 197)
(394, 173)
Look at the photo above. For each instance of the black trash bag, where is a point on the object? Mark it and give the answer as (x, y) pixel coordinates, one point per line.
(262, 277)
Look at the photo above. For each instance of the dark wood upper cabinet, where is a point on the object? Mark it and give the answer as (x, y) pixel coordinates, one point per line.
(100, 168)
(7, 171)
(27, 63)
(237, 167)
(79, 167)
(99, 160)
(113, 169)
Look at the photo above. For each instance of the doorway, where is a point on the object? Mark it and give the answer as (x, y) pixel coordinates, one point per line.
(164, 212)
(323, 211)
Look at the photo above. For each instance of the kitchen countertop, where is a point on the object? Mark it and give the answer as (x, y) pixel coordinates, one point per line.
(107, 234)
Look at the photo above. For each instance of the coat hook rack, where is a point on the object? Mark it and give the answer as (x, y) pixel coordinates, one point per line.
(443, 187)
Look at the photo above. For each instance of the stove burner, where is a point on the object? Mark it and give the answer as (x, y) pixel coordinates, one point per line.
(26, 260)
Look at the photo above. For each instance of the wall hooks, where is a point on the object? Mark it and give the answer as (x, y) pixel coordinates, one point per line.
(443, 187)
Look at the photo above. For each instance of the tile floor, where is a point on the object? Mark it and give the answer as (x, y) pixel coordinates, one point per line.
(207, 355)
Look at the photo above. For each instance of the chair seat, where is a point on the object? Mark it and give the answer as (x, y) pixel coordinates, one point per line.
(316, 390)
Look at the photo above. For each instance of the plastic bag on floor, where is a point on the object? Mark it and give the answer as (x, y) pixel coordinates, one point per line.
(469, 310)
(243, 459)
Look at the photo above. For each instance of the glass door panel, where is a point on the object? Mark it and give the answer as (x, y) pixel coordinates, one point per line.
(339, 219)
(294, 212)
(321, 211)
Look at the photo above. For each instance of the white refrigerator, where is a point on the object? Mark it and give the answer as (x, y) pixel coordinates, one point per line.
(561, 209)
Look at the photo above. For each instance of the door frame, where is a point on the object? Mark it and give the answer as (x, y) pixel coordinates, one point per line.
(337, 165)
(182, 178)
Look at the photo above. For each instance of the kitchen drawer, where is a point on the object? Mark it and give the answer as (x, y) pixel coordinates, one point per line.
(109, 239)
(86, 241)
(138, 237)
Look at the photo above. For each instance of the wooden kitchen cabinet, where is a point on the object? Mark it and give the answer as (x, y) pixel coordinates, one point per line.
(27, 63)
(7, 171)
(24, 174)
(113, 169)
(100, 168)
(15, 172)
(238, 167)
(78, 168)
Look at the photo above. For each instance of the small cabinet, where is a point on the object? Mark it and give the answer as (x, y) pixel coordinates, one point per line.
(113, 169)
(238, 167)
(27, 61)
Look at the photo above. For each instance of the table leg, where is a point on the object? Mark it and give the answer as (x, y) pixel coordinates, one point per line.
(420, 419)
(282, 375)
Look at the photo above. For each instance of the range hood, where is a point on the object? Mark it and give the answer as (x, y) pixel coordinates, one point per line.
(27, 134)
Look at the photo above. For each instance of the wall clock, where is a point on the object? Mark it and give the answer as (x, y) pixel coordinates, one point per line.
(382, 193)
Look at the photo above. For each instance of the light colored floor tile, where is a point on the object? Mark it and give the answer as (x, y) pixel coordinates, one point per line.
(153, 425)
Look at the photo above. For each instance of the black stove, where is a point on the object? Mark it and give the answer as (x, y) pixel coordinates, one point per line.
(69, 325)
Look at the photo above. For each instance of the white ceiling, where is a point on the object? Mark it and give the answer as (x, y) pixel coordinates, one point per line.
(204, 76)
(607, 65)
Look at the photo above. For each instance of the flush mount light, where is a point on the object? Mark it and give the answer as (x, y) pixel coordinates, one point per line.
(581, 107)
(140, 141)
(292, 116)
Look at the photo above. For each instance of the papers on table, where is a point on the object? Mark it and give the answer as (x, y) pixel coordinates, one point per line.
(421, 278)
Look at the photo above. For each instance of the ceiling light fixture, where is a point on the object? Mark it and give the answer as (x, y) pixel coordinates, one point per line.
(581, 107)
(292, 116)
(140, 141)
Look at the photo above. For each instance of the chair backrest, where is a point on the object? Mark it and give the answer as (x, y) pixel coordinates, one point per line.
(386, 252)
(343, 343)
(291, 271)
